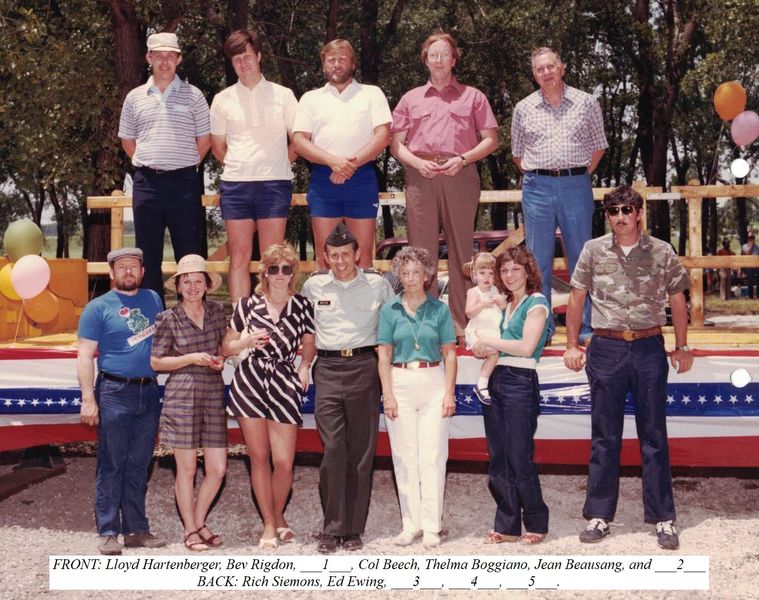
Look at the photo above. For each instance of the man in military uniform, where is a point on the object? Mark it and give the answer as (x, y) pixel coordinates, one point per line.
(346, 305)
(629, 276)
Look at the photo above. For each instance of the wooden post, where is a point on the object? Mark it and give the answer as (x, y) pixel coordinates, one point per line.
(695, 249)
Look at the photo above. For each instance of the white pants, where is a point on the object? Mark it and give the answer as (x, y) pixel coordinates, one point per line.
(419, 443)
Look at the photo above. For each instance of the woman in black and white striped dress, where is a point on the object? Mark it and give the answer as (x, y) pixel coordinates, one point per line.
(267, 388)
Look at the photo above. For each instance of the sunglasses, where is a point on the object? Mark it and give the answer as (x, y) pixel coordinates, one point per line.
(275, 269)
(627, 209)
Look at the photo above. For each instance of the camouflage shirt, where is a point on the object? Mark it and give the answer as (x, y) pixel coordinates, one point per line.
(629, 292)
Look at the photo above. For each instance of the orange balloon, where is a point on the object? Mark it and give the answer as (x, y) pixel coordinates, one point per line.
(730, 100)
(43, 308)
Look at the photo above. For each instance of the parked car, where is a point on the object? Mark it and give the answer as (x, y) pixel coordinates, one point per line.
(485, 241)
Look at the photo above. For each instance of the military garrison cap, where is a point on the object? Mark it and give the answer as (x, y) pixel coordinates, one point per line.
(340, 236)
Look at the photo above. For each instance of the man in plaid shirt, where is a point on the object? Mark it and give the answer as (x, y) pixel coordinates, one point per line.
(557, 140)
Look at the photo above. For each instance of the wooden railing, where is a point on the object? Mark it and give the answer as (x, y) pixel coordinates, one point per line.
(695, 262)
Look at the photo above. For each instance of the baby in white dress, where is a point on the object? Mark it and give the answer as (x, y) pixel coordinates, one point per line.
(484, 308)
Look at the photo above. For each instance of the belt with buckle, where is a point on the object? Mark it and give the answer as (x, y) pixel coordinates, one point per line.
(136, 380)
(628, 335)
(167, 171)
(438, 159)
(345, 353)
(416, 364)
(560, 172)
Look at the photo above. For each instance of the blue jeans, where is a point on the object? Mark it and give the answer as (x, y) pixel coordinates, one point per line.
(616, 367)
(160, 200)
(510, 423)
(126, 437)
(566, 202)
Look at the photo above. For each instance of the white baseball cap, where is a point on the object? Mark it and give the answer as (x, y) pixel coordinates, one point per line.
(163, 42)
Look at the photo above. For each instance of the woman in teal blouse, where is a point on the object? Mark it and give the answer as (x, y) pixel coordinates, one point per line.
(511, 420)
(417, 367)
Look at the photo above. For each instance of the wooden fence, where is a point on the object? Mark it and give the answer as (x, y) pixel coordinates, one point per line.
(695, 262)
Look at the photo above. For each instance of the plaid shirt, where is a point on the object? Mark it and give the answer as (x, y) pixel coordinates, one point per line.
(545, 137)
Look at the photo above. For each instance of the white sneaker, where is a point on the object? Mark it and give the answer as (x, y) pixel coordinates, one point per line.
(406, 538)
(430, 539)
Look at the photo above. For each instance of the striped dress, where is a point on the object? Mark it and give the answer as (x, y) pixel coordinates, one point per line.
(266, 385)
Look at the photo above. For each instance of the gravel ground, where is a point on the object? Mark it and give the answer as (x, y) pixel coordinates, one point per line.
(718, 516)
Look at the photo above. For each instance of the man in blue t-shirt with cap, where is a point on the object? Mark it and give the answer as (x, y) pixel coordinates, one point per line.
(124, 402)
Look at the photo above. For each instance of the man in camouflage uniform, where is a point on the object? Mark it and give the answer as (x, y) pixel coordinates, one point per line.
(347, 302)
(629, 276)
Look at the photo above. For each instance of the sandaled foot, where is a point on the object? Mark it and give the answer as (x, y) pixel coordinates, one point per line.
(493, 537)
(532, 538)
(285, 535)
(268, 543)
(198, 545)
(213, 540)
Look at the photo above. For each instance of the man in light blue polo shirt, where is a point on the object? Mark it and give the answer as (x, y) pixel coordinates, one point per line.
(165, 130)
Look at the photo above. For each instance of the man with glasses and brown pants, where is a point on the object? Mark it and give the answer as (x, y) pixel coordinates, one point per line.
(629, 276)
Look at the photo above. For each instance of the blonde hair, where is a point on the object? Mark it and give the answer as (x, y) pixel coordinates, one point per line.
(481, 260)
(335, 46)
(273, 255)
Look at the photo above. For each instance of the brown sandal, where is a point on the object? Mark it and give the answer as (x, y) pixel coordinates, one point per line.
(195, 546)
(493, 537)
(214, 540)
(532, 538)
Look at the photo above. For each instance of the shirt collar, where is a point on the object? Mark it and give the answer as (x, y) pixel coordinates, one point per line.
(153, 89)
(457, 87)
(568, 95)
(351, 89)
(644, 242)
(259, 86)
(360, 277)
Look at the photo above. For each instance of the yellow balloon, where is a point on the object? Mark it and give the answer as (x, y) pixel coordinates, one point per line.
(730, 100)
(6, 285)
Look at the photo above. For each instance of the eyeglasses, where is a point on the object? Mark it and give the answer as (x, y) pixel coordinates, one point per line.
(627, 209)
(436, 57)
(275, 269)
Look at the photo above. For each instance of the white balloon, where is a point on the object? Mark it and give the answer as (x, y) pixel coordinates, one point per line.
(739, 168)
(740, 378)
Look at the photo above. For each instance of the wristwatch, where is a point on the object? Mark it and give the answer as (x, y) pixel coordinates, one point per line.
(463, 160)
(683, 348)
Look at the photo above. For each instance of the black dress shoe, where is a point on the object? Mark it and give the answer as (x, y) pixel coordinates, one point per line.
(352, 542)
(327, 544)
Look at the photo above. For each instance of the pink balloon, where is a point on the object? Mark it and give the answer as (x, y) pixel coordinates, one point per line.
(30, 275)
(745, 128)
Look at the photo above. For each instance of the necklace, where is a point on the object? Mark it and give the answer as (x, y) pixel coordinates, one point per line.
(419, 330)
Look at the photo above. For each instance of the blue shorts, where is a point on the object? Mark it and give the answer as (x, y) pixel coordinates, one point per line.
(255, 199)
(357, 198)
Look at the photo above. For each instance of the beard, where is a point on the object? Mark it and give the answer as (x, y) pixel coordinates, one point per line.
(120, 285)
(339, 79)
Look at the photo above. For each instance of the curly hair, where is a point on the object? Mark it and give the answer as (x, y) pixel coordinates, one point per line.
(481, 260)
(273, 255)
(521, 256)
(410, 254)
